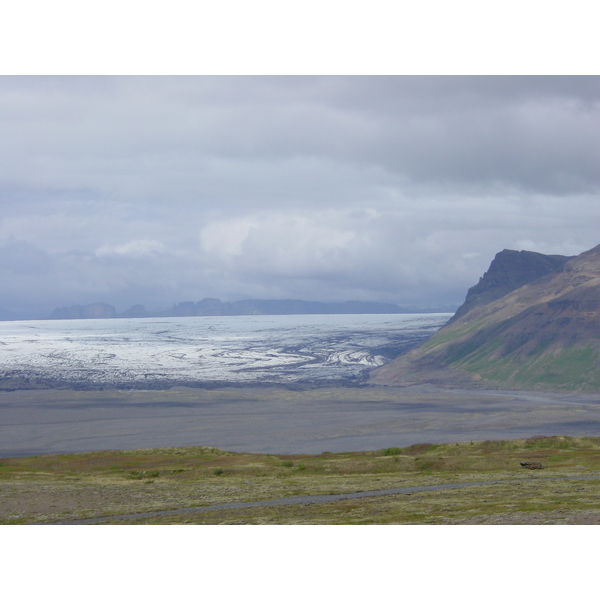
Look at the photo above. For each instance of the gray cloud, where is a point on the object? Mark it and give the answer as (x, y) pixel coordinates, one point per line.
(24, 259)
(161, 189)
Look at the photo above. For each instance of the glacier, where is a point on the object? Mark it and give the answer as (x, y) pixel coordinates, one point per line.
(236, 349)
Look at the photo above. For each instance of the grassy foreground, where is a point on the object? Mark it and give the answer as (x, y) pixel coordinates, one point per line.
(47, 489)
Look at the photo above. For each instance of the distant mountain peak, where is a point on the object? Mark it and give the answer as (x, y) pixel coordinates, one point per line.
(97, 310)
(215, 307)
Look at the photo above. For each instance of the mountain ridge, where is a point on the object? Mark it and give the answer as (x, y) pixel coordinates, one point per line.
(542, 335)
(215, 307)
(508, 271)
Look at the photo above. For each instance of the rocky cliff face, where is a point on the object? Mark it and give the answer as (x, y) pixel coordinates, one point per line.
(509, 270)
(543, 335)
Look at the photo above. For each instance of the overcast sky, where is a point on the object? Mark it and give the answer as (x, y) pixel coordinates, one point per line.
(156, 190)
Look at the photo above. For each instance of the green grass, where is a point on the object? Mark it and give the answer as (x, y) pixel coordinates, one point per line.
(480, 348)
(443, 337)
(569, 368)
(54, 488)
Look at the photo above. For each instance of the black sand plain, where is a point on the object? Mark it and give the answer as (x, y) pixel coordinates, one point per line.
(279, 420)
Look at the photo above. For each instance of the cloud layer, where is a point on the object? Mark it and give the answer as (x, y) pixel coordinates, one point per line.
(402, 189)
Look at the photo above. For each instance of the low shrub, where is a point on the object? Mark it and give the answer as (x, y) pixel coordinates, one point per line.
(391, 451)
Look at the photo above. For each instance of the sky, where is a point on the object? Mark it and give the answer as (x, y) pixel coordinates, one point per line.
(163, 189)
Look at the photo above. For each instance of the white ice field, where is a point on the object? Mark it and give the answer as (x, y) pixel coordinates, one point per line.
(278, 349)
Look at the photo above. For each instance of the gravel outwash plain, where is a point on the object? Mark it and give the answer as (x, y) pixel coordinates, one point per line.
(275, 419)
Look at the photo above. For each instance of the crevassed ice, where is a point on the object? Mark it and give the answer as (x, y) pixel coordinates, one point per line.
(244, 348)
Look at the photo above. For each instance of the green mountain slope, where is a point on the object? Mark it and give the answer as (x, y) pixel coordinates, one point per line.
(543, 335)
